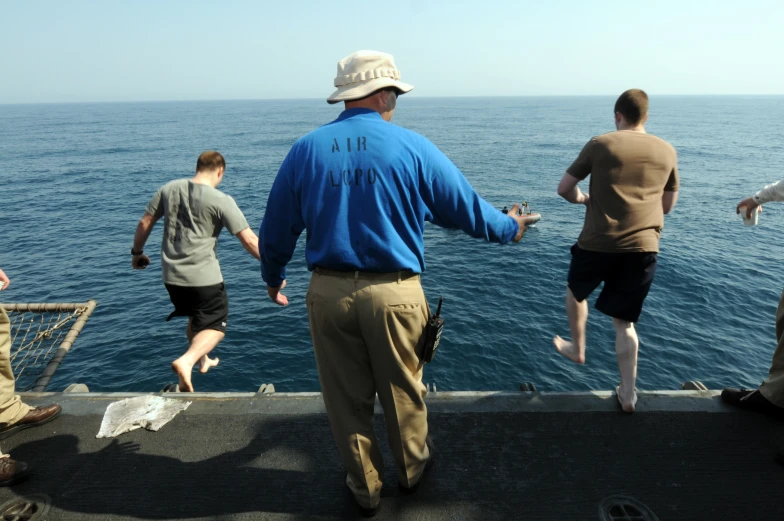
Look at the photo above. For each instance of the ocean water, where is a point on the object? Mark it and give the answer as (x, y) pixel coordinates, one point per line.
(76, 179)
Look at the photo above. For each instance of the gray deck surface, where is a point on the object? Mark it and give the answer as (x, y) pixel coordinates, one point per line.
(499, 456)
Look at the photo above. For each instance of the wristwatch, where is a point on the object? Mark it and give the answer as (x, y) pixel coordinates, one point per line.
(136, 253)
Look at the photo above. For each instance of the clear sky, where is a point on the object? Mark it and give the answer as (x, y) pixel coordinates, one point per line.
(242, 49)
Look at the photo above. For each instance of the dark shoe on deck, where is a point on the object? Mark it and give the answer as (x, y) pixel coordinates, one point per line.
(364, 511)
(752, 400)
(35, 417)
(413, 488)
(12, 471)
(368, 512)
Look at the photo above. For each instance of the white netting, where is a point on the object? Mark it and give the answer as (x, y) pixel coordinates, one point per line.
(36, 335)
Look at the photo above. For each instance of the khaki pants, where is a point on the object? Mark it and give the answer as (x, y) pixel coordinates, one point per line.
(773, 387)
(367, 332)
(11, 407)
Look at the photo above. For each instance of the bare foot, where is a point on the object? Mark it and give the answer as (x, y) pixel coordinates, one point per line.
(627, 401)
(183, 371)
(206, 362)
(569, 350)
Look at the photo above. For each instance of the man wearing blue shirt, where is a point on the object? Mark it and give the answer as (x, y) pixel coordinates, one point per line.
(364, 188)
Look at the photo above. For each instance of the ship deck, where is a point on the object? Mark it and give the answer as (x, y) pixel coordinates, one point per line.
(527, 456)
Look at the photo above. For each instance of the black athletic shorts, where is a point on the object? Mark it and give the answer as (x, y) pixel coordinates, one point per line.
(627, 279)
(208, 306)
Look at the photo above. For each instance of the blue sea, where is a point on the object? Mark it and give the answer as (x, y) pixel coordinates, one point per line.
(76, 179)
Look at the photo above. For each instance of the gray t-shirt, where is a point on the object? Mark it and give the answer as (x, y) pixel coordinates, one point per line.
(194, 215)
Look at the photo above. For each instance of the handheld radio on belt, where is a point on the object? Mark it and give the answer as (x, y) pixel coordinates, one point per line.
(433, 333)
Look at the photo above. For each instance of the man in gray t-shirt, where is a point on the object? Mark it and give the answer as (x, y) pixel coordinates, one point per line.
(194, 213)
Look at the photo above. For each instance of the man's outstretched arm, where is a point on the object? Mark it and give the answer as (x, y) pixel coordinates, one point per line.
(250, 242)
(454, 203)
(772, 192)
(143, 230)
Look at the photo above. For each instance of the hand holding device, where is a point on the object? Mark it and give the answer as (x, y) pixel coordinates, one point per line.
(433, 334)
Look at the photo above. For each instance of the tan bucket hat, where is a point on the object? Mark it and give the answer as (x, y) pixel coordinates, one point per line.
(364, 72)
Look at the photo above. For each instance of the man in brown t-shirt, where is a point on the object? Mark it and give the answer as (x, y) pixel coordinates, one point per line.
(634, 182)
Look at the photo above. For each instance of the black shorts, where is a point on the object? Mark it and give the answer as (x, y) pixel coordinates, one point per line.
(627, 279)
(208, 306)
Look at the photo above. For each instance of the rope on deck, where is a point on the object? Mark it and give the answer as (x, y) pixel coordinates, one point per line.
(41, 336)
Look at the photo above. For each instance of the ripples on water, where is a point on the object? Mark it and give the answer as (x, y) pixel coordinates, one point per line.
(76, 179)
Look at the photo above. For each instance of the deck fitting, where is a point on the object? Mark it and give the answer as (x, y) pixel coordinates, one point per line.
(693, 385)
(266, 389)
(624, 508)
(30, 508)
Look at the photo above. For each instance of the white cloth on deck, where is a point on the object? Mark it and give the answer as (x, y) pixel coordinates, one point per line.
(148, 412)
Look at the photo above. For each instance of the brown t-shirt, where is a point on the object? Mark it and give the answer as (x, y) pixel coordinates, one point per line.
(629, 171)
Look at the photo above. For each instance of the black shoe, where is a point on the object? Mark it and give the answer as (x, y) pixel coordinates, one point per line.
(364, 511)
(752, 400)
(413, 488)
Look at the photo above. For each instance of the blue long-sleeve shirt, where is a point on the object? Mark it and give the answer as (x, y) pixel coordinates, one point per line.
(363, 188)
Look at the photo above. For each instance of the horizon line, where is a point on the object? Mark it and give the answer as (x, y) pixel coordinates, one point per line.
(212, 100)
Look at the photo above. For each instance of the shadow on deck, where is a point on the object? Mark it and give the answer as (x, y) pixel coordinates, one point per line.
(521, 456)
